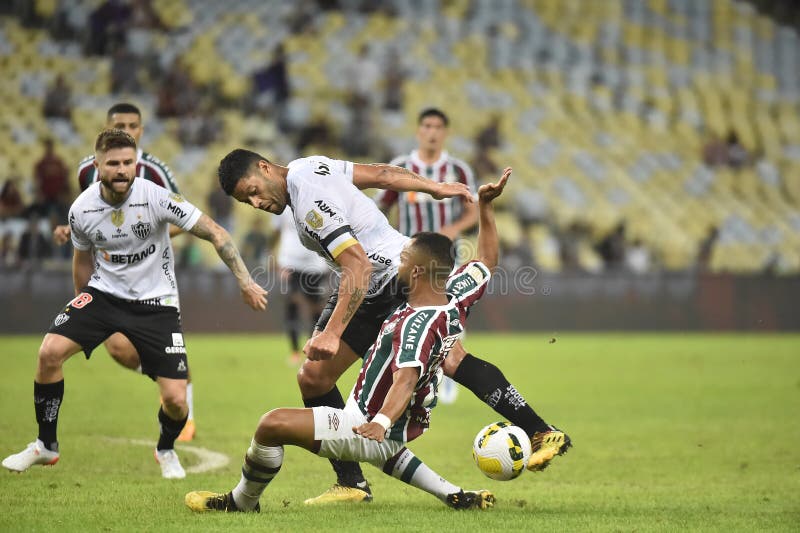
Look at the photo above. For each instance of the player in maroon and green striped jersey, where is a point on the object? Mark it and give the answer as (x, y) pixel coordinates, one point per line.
(396, 389)
(420, 212)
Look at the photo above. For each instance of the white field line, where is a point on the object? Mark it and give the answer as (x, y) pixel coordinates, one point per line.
(209, 459)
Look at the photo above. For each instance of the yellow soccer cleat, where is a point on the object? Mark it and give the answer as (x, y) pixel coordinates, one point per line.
(201, 501)
(341, 494)
(545, 446)
(187, 433)
(472, 499)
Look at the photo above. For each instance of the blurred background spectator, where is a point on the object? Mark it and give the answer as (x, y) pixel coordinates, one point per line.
(58, 100)
(673, 116)
(51, 177)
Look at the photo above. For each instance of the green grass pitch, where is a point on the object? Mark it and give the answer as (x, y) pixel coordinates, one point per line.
(671, 433)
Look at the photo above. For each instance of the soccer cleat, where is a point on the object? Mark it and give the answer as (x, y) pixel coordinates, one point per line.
(201, 501)
(472, 499)
(170, 464)
(34, 454)
(187, 433)
(340, 493)
(545, 446)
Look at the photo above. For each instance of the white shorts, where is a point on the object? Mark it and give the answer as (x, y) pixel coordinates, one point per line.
(334, 429)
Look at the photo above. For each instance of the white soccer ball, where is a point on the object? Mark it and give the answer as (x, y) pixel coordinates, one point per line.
(501, 450)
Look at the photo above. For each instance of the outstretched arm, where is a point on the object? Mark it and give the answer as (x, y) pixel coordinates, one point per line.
(390, 177)
(488, 243)
(395, 403)
(205, 228)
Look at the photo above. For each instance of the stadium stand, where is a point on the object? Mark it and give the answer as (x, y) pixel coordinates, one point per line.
(607, 109)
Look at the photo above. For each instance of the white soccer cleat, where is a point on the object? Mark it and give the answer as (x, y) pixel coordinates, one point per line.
(33, 454)
(170, 464)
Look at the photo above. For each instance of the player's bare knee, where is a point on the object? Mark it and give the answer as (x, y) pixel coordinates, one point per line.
(123, 351)
(115, 348)
(50, 357)
(174, 402)
(273, 424)
(312, 382)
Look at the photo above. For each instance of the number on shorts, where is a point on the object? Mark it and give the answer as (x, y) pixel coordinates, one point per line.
(81, 300)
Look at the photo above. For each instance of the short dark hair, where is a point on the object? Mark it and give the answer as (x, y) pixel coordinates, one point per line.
(439, 250)
(113, 138)
(235, 166)
(123, 107)
(432, 112)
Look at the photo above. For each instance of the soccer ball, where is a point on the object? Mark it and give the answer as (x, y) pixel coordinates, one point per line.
(501, 450)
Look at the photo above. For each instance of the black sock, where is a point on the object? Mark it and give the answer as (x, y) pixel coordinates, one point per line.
(170, 429)
(488, 383)
(348, 473)
(47, 399)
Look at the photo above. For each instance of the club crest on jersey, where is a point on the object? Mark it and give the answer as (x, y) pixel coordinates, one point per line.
(314, 219)
(60, 319)
(141, 229)
(389, 327)
(117, 217)
(177, 198)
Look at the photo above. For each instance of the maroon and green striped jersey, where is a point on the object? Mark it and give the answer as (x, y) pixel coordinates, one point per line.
(419, 211)
(418, 337)
(148, 167)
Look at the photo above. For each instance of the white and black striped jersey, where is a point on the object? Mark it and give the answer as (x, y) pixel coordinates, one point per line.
(331, 214)
(132, 250)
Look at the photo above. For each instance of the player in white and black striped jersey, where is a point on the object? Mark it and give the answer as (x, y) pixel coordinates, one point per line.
(123, 270)
(128, 118)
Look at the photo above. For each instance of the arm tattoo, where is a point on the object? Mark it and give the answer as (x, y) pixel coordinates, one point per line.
(207, 229)
(201, 228)
(412, 175)
(352, 305)
(230, 256)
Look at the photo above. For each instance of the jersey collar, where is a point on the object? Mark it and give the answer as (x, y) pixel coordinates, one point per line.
(443, 157)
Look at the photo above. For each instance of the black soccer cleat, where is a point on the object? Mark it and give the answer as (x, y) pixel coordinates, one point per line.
(473, 499)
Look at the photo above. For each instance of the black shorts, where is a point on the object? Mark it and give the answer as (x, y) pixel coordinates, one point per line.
(308, 284)
(363, 329)
(155, 331)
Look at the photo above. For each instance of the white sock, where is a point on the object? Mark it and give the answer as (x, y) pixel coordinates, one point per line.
(190, 400)
(261, 464)
(409, 469)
